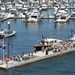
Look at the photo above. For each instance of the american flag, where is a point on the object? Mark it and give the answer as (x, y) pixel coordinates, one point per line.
(1, 44)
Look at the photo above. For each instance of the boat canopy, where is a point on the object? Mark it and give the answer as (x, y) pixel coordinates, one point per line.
(62, 11)
(51, 40)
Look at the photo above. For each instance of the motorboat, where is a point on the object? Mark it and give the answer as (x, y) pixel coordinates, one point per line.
(13, 12)
(25, 7)
(3, 8)
(63, 16)
(2, 15)
(44, 6)
(72, 15)
(62, 7)
(60, 11)
(35, 16)
(55, 2)
(19, 6)
(45, 43)
(24, 14)
(7, 33)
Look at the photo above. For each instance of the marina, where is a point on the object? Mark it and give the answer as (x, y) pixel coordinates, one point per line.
(30, 33)
(22, 10)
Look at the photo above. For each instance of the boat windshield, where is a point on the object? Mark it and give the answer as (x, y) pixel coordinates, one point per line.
(8, 31)
(63, 17)
(34, 17)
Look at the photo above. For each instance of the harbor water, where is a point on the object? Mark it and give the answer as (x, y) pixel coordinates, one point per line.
(30, 33)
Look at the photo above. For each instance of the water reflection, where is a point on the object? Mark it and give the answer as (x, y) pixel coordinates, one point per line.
(13, 20)
(72, 20)
(55, 25)
(62, 25)
(35, 26)
(26, 24)
(1, 23)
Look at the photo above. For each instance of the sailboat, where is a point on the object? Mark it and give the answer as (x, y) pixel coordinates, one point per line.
(7, 32)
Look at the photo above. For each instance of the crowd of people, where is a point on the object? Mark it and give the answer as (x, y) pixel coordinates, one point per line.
(62, 45)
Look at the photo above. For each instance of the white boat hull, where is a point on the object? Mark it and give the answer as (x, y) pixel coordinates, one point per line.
(6, 34)
(62, 20)
(34, 20)
(13, 33)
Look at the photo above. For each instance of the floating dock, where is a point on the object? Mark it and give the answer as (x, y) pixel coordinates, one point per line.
(48, 17)
(16, 17)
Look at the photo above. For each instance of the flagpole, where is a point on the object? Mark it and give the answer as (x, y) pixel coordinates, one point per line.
(8, 38)
(2, 43)
(3, 54)
(8, 47)
(3, 49)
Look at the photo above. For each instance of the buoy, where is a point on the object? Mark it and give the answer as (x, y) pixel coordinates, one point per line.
(60, 54)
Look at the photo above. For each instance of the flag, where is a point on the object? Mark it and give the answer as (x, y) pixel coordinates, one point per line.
(12, 48)
(1, 43)
(4, 47)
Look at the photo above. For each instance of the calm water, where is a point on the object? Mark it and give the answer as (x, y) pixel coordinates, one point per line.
(30, 33)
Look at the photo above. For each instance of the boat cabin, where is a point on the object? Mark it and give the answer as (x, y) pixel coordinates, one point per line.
(34, 17)
(45, 43)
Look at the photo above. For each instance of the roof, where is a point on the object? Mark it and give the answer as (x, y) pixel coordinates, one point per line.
(51, 39)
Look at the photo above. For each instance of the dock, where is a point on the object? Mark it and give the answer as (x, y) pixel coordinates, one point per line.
(1, 20)
(31, 57)
(16, 17)
(48, 17)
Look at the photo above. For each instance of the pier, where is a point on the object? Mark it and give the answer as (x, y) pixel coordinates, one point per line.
(31, 58)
